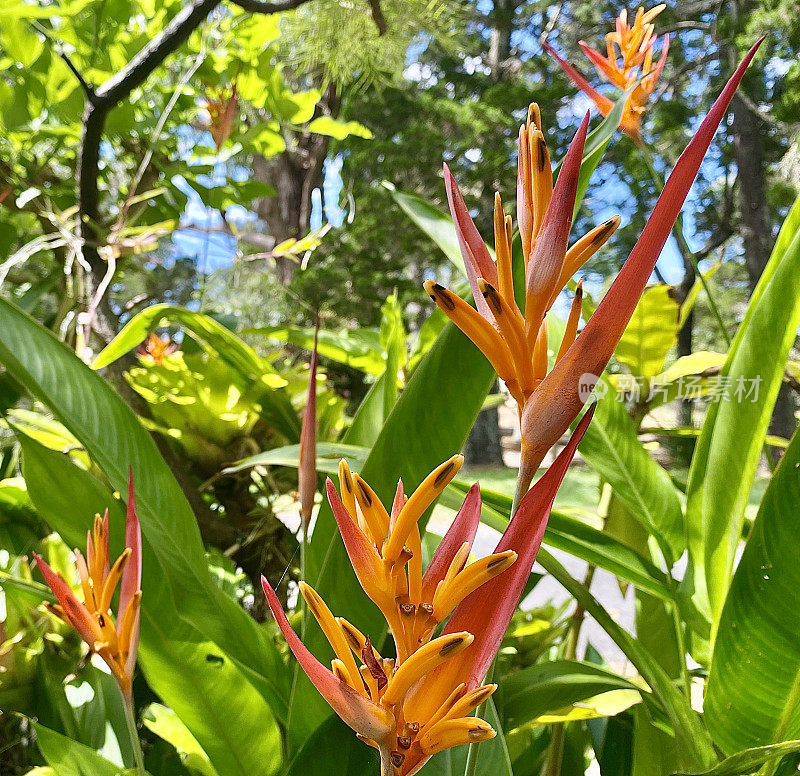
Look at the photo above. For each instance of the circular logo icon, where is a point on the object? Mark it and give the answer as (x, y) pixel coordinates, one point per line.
(588, 385)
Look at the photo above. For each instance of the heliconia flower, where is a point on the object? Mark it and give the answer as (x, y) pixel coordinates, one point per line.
(221, 107)
(158, 348)
(514, 343)
(556, 398)
(629, 62)
(413, 705)
(114, 639)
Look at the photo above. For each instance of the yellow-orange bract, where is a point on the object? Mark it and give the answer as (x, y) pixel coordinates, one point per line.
(417, 703)
(115, 641)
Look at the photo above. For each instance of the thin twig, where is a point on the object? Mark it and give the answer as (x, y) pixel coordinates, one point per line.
(59, 49)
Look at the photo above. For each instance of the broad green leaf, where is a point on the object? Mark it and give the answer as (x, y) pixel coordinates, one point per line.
(536, 691)
(653, 748)
(753, 695)
(688, 377)
(328, 456)
(70, 758)
(33, 592)
(166, 724)
(613, 449)
(241, 357)
(655, 620)
(693, 741)
(381, 397)
(608, 704)
(729, 447)
(358, 348)
(748, 760)
(211, 695)
(112, 435)
(371, 413)
(436, 224)
(571, 535)
(651, 333)
(334, 743)
(228, 717)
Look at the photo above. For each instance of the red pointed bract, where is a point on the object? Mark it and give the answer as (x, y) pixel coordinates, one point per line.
(487, 612)
(307, 470)
(477, 260)
(603, 103)
(462, 530)
(75, 612)
(361, 714)
(547, 257)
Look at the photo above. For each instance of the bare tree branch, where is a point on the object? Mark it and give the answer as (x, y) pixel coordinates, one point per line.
(101, 101)
(378, 17)
(59, 49)
(154, 53)
(261, 6)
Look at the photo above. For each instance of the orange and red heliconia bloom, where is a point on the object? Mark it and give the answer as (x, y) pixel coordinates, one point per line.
(514, 338)
(628, 64)
(114, 638)
(446, 622)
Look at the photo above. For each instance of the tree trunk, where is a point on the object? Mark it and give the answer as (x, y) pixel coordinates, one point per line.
(294, 174)
(483, 446)
(501, 19)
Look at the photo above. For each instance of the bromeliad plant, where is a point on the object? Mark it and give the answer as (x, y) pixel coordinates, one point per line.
(416, 704)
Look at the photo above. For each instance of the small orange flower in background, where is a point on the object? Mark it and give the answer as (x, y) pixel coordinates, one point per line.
(416, 704)
(222, 106)
(115, 640)
(158, 348)
(629, 60)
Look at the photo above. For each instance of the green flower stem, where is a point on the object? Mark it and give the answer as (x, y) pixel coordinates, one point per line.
(130, 723)
(474, 748)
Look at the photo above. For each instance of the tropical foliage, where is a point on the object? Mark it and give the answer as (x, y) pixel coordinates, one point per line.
(239, 365)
